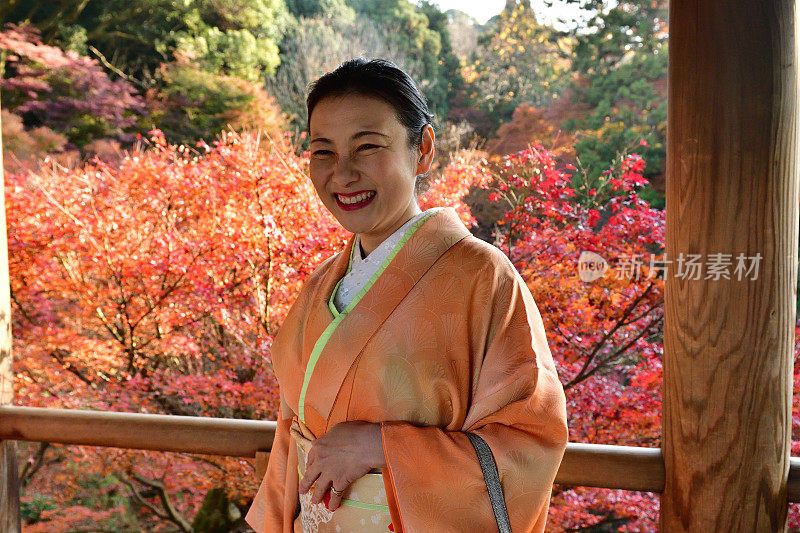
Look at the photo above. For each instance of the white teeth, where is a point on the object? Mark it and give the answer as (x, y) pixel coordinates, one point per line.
(355, 199)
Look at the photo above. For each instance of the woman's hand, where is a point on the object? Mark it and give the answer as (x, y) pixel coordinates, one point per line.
(341, 456)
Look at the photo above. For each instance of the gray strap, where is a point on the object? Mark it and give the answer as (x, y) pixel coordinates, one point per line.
(492, 479)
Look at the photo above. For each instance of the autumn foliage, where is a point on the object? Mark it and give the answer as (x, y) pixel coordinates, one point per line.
(156, 287)
(528, 125)
(63, 91)
(604, 333)
(149, 288)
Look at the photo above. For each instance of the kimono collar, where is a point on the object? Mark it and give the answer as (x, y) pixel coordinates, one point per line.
(382, 250)
(339, 346)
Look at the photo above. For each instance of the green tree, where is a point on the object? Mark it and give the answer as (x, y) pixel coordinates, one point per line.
(620, 69)
(449, 79)
(317, 8)
(314, 46)
(414, 35)
(232, 37)
(195, 104)
(517, 61)
(201, 63)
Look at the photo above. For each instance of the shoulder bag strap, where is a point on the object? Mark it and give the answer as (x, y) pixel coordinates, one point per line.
(492, 479)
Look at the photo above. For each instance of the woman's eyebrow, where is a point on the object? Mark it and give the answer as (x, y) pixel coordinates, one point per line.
(367, 132)
(354, 137)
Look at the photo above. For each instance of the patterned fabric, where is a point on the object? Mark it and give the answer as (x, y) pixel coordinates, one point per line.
(365, 267)
(446, 339)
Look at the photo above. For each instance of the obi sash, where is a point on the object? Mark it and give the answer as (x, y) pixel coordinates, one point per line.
(363, 508)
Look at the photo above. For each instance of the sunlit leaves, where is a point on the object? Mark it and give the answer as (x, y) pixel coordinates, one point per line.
(157, 286)
(604, 334)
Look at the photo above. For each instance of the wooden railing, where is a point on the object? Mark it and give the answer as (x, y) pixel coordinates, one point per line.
(591, 465)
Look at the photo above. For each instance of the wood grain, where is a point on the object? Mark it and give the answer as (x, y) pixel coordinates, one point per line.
(9, 476)
(732, 187)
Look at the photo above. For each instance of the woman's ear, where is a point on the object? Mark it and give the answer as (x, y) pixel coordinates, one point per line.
(426, 150)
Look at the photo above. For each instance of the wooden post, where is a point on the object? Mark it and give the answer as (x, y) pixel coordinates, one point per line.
(732, 187)
(262, 460)
(9, 476)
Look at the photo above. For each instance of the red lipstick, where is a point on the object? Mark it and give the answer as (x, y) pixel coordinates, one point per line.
(353, 207)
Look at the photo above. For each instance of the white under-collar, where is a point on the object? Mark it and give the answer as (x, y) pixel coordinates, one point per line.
(363, 268)
(379, 254)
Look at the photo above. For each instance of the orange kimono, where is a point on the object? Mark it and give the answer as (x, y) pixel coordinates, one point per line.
(444, 338)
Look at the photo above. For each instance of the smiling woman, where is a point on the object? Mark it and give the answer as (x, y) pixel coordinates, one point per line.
(400, 346)
(364, 168)
(372, 145)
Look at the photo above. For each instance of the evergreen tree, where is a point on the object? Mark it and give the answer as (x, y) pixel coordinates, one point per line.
(316, 8)
(417, 38)
(232, 37)
(449, 71)
(517, 61)
(620, 67)
(511, 5)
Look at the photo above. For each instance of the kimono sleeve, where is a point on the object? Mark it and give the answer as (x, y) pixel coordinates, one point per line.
(434, 481)
(273, 508)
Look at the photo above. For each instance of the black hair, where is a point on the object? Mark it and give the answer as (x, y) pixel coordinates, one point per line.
(379, 78)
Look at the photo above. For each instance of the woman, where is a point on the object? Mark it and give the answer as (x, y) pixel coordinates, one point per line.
(396, 346)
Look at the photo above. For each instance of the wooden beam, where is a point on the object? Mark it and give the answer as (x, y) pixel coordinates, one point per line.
(139, 431)
(595, 465)
(261, 462)
(613, 467)
(732, 188)
(590, 465)
(9, 476)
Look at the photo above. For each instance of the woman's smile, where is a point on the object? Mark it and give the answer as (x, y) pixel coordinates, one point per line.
(353, 201)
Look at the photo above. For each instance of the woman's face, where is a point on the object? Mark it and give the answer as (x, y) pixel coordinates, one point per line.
(359, 146)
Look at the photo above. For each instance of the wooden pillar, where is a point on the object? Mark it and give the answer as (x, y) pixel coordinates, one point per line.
(732, 188)
(9, 476)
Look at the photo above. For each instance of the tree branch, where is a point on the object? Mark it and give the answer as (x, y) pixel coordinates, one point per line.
(170, 514)
(58, 354)
(33, 464)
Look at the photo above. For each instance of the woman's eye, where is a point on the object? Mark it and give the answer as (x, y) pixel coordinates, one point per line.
(322, 152)
(368, 146)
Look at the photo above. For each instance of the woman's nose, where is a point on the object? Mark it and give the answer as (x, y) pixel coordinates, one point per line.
(344, 172)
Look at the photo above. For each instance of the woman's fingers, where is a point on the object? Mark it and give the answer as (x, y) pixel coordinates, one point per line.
(331, 461)
(321, 486)
(307, 433)
(323, 492)
(300, 437)
(335, 500)
(309, 478)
